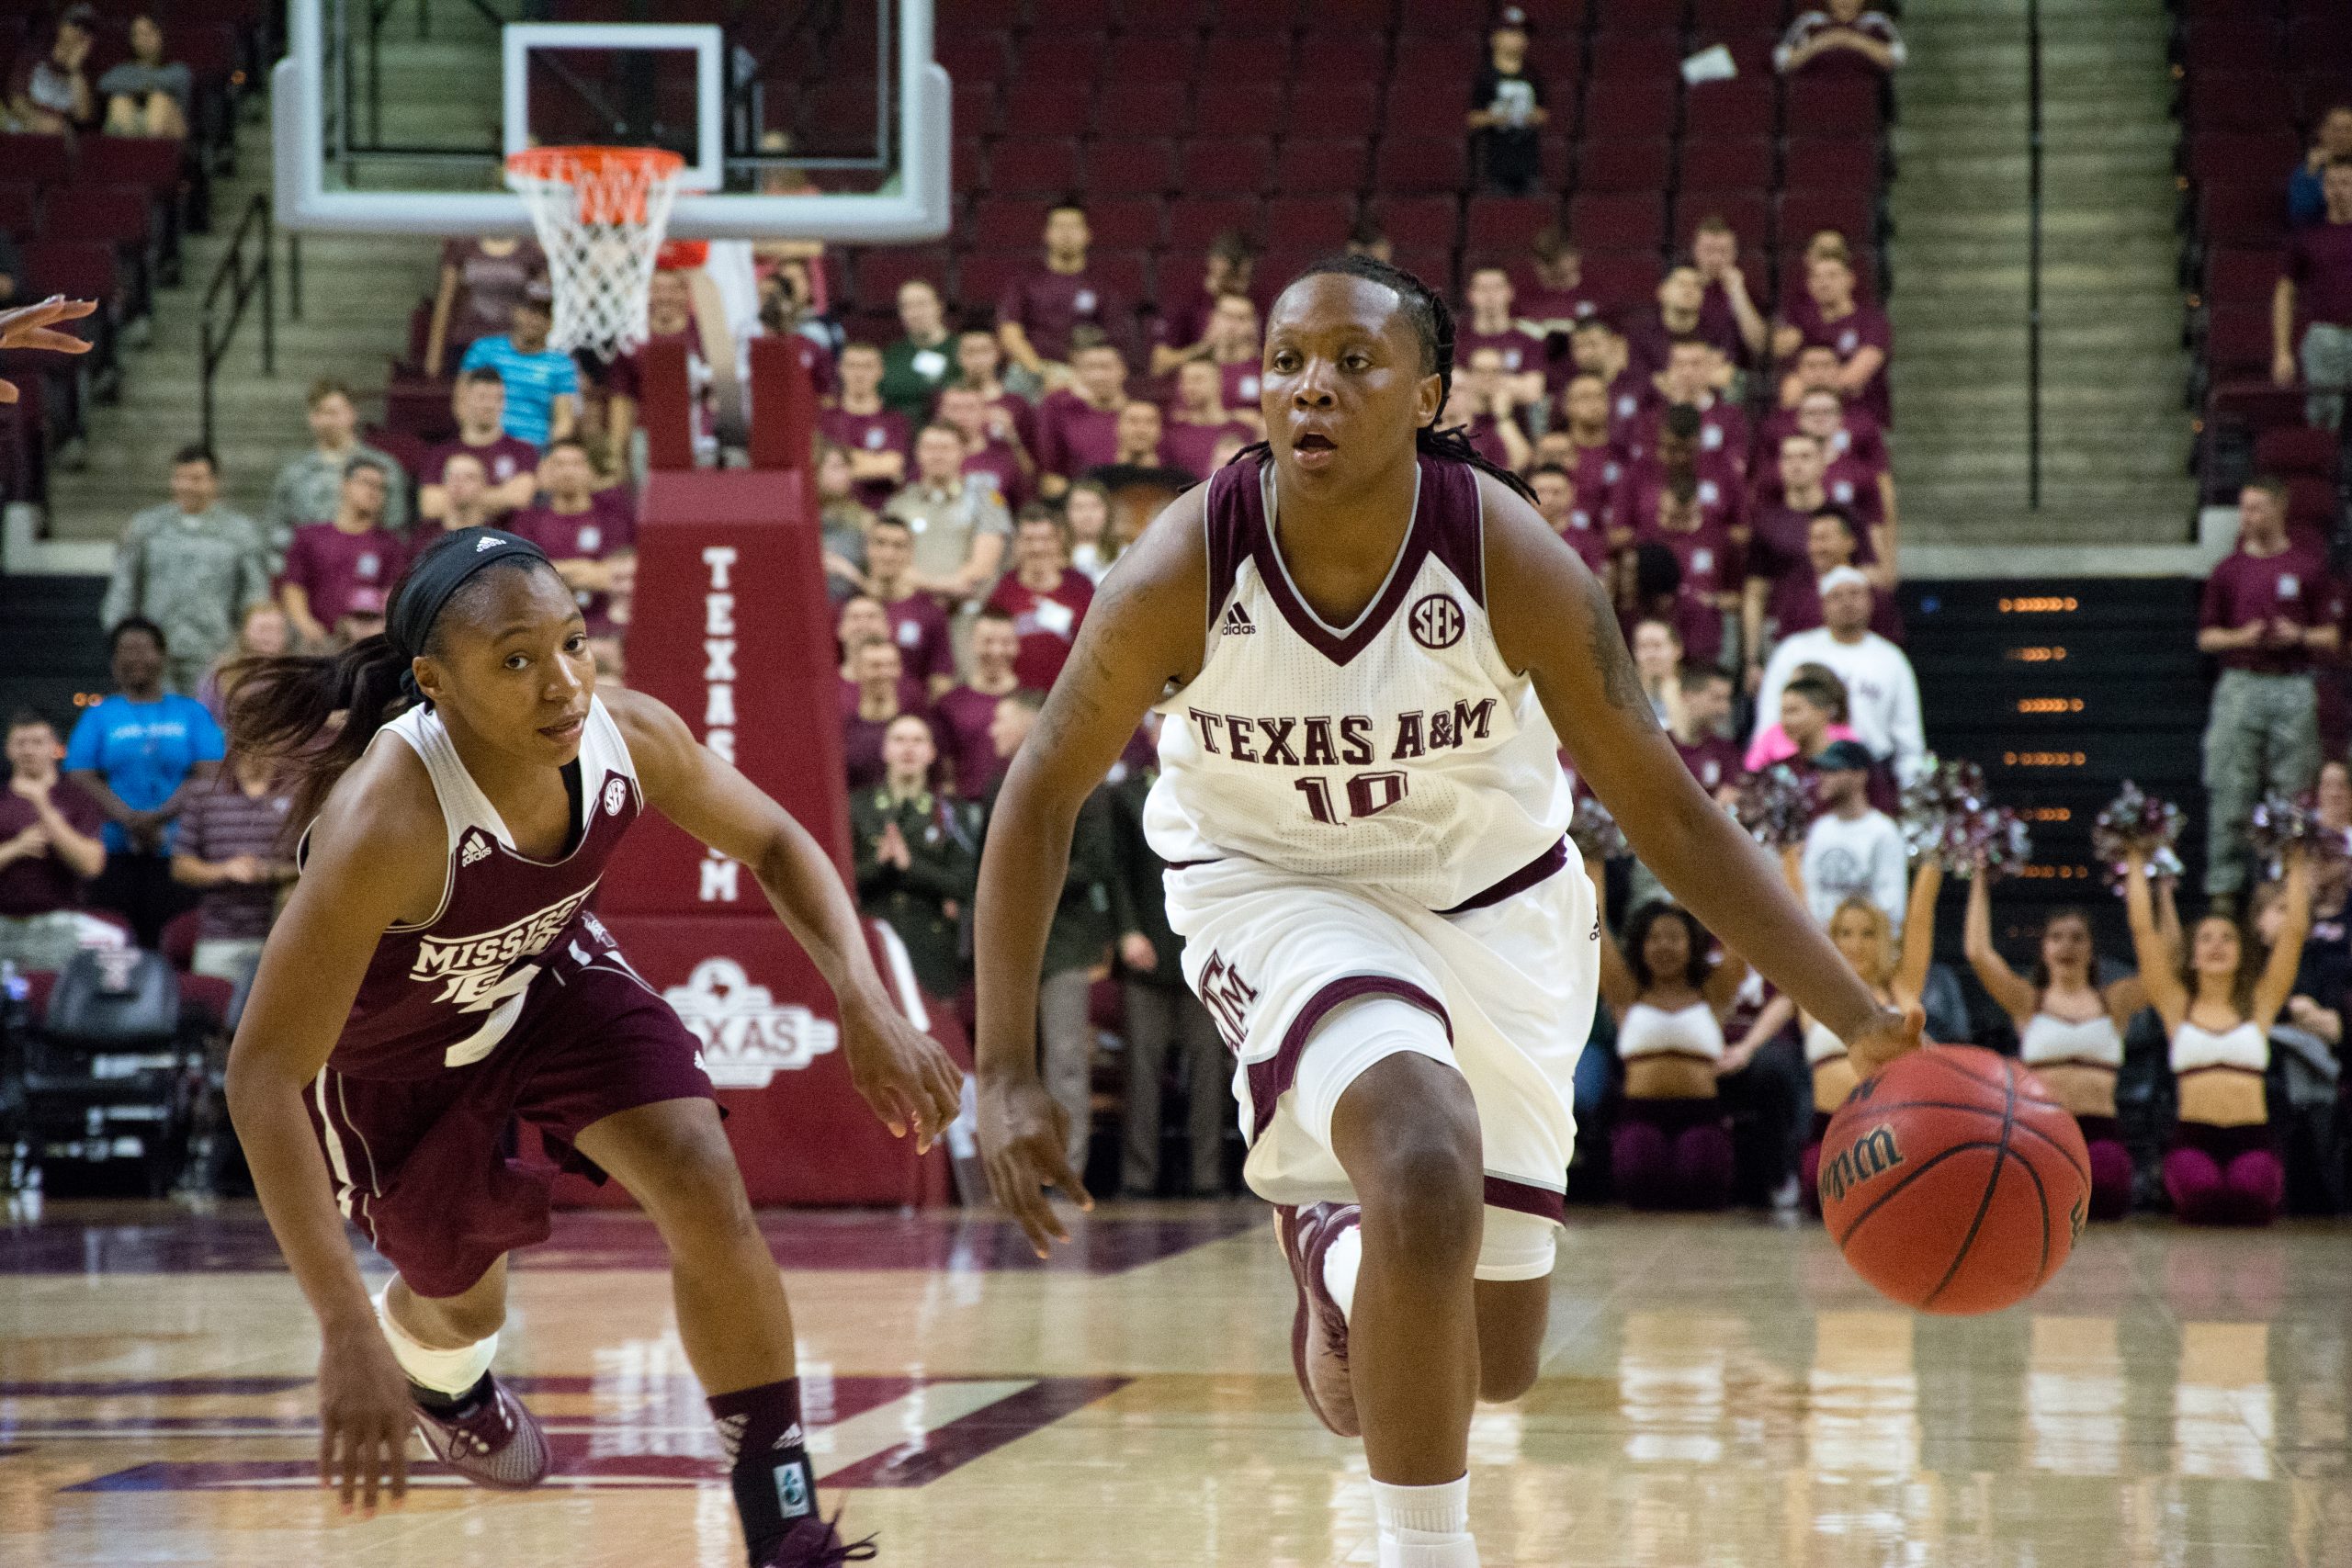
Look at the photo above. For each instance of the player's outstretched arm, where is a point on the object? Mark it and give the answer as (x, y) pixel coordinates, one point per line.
(363, 873)
(1553, 620)
(1147, 627)
(902, 1073)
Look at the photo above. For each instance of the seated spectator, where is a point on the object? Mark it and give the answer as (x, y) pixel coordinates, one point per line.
(1812, 715)
(1599, 350)
(1238, 355)
(1555, 298)
(1040, 308)
(541, 383)
(1797, 321)
(1485, 407)
(1722, 497)
(916, 861)
(509, 464)
(1688, 381)
(1680, 313)
(1078, 425)
(1002, 461)
(1842, 35)
(263, 632)
(1507, 111)
(232, 850)
(142, 754)
(878, 671)
(1045, 599)
(1592, 457)
(1650, 589)
(1851, 477)
(844, 520)
(1185, 327)
(860, 621)
(483, 277)
(590, 534)
(682, 306)
(1790, 547)
(960, 526)
(308, 488)
(1094, 545)
(1860, 332)
(1140, 429)
(1849, 430)
(875, 438)
(1725, 310)
(48, 91)
(1656, 649)
(147, 94)
(980, 361)
(48, 846)
(1882, 690)
(918, 364)
(1491, 325)
(1831, 542)
(966, 714)
(1852, 850)
(926, 648)
(2317, 280)
(466, 500)
(346, 564)
(1706, 554)
(190, 565)
(1701, 730)
(2306, 188)
(1555, 503)
(1199, 418)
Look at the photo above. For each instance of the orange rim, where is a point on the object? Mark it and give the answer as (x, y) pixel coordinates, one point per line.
(609, 182)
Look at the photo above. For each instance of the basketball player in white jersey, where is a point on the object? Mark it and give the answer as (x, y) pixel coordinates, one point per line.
(1366, 647)
(436, 979)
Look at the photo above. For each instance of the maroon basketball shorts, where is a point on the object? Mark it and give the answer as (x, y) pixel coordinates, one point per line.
(427, 1167)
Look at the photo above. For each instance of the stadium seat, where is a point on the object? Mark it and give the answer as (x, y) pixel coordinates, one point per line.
(1420, 164)
(1618, 220)
(1735, 108)
(1224, 166)
(974, 54)
(1831, 105)
(981, 276)
(84, 268)
(1413, 108)
(1305, 222)
(19, 210)
(1734, 16)
(1061, 61)
(1627, 109)
(1433, 265)
(876, 270)
(1148, 110)
(1652, 57)
(1195, 222)
(1125, 223)
(42, 159)
(1033, 165)
(1417, 221)
(1334, 109)
(1621, 279)
(1742, 163)
(1237, 108)
(1605, 164)
(1359, 17)
(2240, 101)
(2227, 43)
(2240, 212)
(1128, 273)
(2322, 39)
(1130, 167)
(1748, 210)
(974, 111)
(1830, 162)
(1253, 57)
(2237, 343)
(968, 165)
(1034, 111)
(995, 15)
(2311, 501)
(1007, 223)
(1803, 213)
(2227, 156)
(1493, 223)
(1167, 16)
(2297, 449)
(1137, 58)
(1312, 164)
(2240, 279)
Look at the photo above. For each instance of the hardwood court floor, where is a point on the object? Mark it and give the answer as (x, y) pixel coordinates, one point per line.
(1719, 1394)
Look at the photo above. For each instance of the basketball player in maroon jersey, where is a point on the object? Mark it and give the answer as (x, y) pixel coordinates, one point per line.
(435, 979)
(1407, 990)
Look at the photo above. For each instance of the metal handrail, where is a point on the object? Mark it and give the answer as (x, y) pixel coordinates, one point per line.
(244, 270)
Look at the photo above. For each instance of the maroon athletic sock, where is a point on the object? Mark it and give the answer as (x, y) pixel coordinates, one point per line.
(759, 1429)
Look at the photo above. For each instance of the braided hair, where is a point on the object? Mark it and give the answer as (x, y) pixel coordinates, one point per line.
(1432, 323)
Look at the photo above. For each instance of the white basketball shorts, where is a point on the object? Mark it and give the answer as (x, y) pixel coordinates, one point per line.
(1511, 987)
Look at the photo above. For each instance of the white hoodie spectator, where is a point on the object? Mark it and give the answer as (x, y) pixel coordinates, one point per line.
(1883, 691)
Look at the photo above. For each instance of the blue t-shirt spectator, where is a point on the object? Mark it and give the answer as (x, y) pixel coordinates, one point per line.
(533, 383)
(143, 750)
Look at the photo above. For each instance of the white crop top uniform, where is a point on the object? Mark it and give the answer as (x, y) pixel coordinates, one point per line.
(2245, 1049)
(1821, 1044)
(1693, 1031)
(1377, 813)
(2050, 1040)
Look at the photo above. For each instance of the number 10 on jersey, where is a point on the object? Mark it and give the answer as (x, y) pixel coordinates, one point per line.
(1368, 795)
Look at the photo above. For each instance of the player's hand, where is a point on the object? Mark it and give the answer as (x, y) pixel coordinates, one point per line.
(1886, 1036)
(1024, 1135)
(365, 1419)
(904, 1075)
(1137, 953)
(32, 326)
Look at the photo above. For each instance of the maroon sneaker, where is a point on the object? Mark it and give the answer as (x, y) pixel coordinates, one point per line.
(814, 1542)
(1318, 1334)
(497, 1443)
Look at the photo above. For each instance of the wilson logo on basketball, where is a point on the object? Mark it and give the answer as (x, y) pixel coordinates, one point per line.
(1436, 621)
(1873, 1154)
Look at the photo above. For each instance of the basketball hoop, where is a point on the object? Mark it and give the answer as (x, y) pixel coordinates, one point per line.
(600, 213)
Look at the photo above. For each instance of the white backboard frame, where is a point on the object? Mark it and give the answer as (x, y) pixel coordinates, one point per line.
(518, 40)
(916, 206)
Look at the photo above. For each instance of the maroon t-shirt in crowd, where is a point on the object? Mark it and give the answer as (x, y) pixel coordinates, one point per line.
(1242, 379)
(1845, 484)
(1865, 326)
(1627, 393)
(1047, 624)
(1710, 561)
(861, 750)
(919, 628)
(1699, 625)
(1723, 432)
(2292, 584)
(1719, 324)
(1073, 436)
(1521, 351)
(1588, 534)
(1024, 415)
(607, 525)
(40, 885)
(220, 824)
(2319, 264)
(912, 695)
(1858, 437)
(1721, 499)
(1648, 341)
(340, 572)
(1485, 432)
(1047, 304)
(962, 717)
(1776, 551)
(488, 287)
(1558, 309)
(883, 432)
(1713, 760)
(997, 461)
(501, 458)
(1193, 447)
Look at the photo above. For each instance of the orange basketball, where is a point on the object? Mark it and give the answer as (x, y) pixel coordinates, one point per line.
(1953, 1182)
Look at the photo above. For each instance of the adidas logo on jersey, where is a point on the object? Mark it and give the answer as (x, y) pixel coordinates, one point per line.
(477, 848)
(1237, 622)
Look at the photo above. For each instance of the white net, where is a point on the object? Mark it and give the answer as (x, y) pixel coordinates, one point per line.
(600, 213)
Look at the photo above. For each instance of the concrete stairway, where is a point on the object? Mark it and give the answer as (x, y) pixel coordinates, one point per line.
(2115, 438)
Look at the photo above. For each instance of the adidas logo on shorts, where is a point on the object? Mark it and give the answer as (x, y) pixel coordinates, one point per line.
(1237, 622)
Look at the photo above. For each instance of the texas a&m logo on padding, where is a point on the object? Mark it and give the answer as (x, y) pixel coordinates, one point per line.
(1436, 621)
(747, 1036)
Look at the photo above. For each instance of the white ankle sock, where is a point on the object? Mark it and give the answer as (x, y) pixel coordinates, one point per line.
(443, 1371)
(1424, 1527)
(1340, 1261)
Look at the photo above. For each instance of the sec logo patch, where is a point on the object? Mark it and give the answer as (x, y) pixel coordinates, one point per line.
(1436, 621)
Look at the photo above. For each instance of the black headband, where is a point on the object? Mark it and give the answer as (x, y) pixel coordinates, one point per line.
(436, 574)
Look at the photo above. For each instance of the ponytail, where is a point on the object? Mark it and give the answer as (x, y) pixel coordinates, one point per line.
(1433, 326)
(314, 716)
